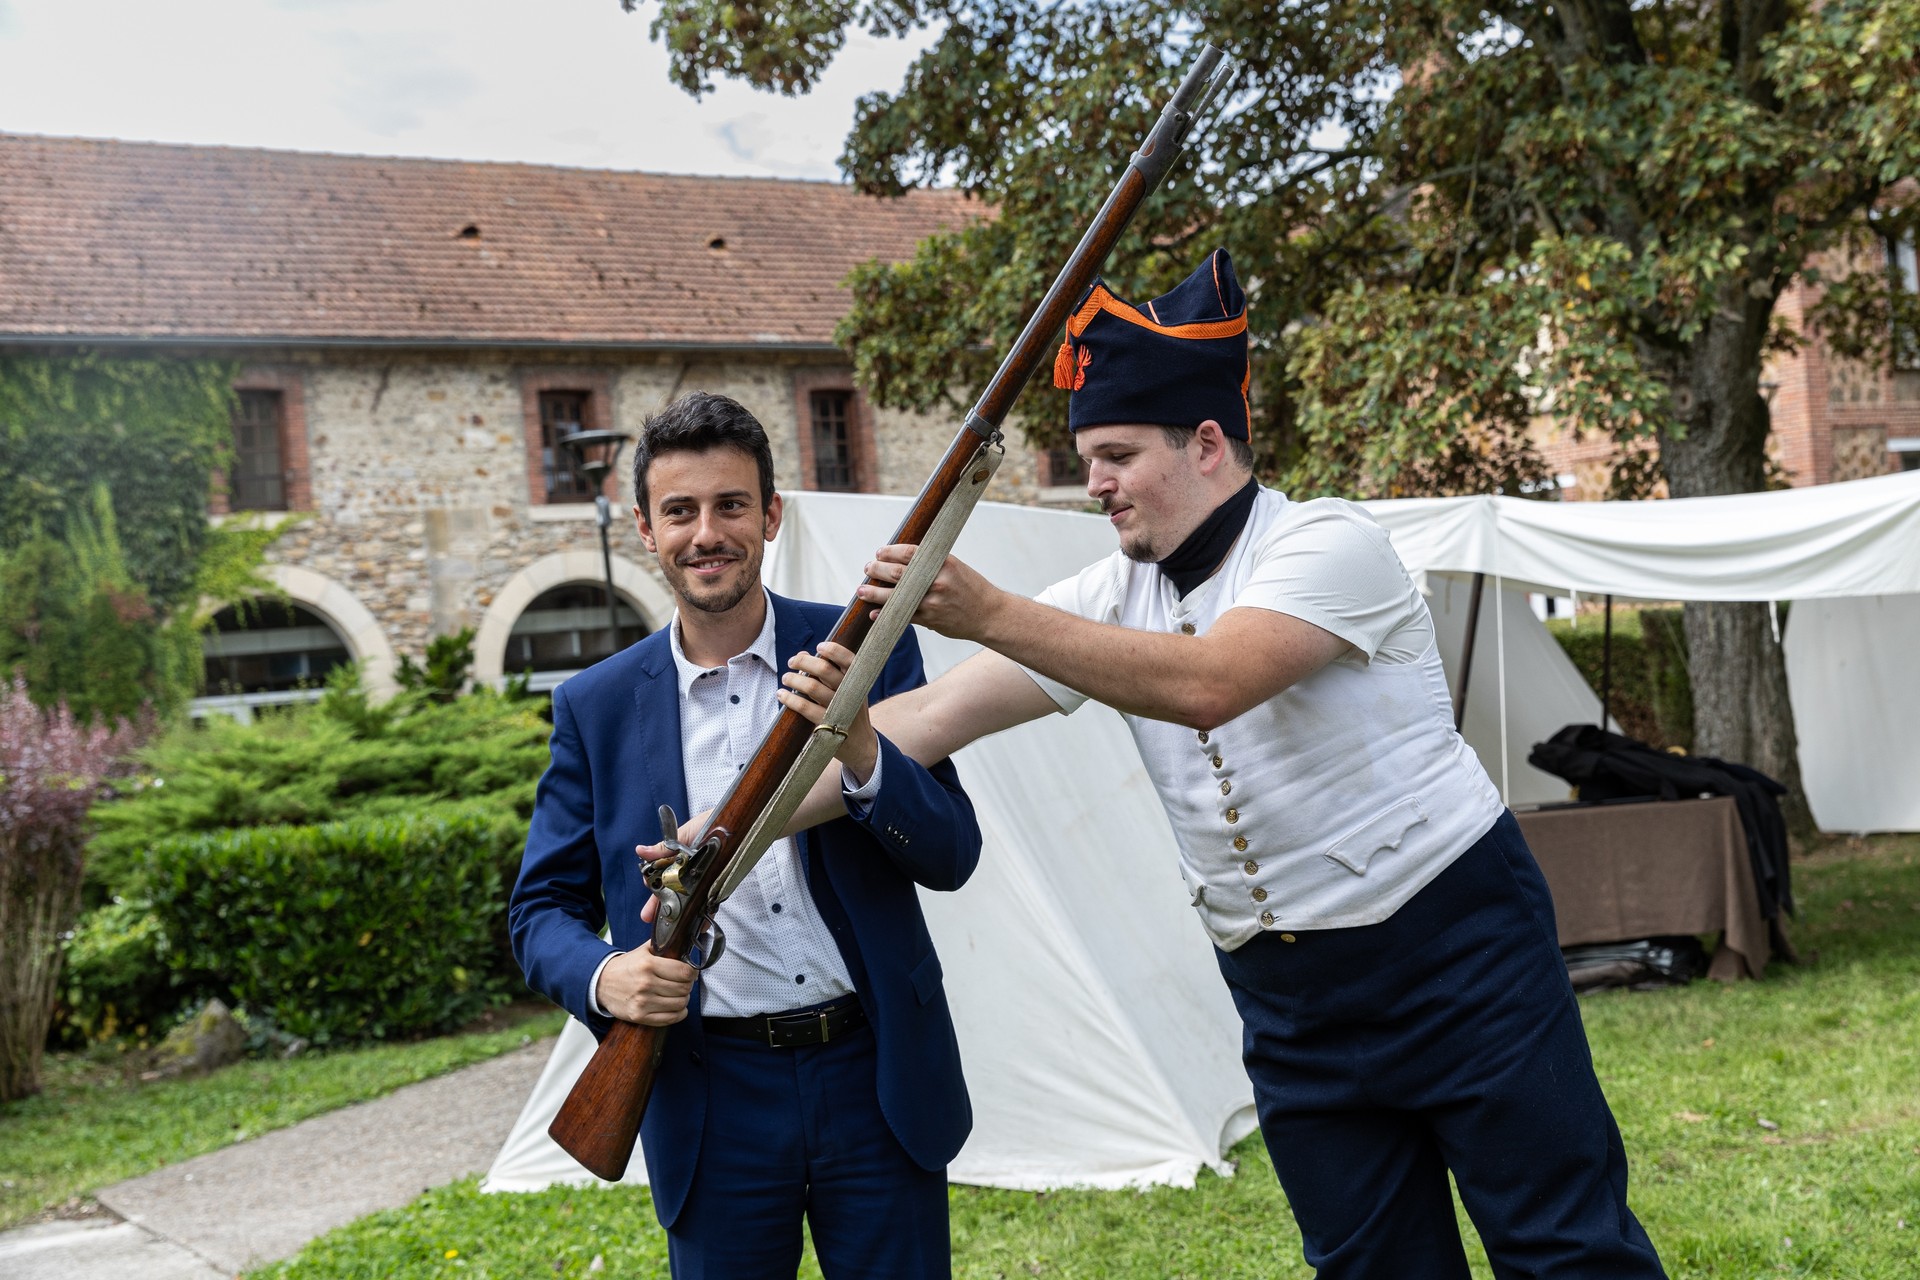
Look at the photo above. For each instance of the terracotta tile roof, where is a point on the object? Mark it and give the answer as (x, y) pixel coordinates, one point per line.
(137, 240)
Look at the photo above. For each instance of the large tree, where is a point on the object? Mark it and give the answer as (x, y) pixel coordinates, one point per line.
(1451, 217)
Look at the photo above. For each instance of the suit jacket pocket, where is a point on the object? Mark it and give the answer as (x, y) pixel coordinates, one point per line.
(926, 977)
(1384, 830)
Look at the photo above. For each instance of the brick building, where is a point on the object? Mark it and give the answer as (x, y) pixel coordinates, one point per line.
(1833, 419)
(416, 338)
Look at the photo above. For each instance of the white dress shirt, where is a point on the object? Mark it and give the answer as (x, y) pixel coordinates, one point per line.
(779, 953)
(1333, 802)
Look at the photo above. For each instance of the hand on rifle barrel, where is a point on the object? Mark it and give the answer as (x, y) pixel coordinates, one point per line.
(960, 603)
(808, 691)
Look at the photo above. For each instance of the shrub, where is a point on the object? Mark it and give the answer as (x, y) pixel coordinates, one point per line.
(342, 758)
(50, 771)
(354, 930)
(1652, 694)
(116, 982)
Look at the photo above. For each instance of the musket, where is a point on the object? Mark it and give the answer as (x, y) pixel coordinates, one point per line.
(600, 1119)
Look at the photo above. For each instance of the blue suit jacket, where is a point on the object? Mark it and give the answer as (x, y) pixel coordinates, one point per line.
(615, 760)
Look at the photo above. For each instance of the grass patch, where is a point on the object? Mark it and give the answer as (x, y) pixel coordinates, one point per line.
(1829, 1052)
(91, 1126)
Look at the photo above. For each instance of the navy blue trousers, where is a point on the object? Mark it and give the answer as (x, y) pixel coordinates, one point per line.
(1443, 1038)
(797, 1133)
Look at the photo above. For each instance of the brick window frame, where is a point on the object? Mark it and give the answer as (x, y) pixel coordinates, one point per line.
(296, 465)
(597, 385)
(863, 454)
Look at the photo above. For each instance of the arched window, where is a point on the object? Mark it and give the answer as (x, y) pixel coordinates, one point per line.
(267, 653)
(565, 630)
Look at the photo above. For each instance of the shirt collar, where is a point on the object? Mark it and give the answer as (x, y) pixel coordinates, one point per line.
(761, 648)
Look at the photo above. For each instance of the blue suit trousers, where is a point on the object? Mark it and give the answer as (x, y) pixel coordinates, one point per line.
(797, 1133)
(1444, 1038)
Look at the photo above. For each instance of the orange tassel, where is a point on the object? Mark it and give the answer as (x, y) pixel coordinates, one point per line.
(1063, 367)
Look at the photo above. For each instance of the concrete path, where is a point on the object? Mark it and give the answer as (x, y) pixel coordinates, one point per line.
(257, 1201)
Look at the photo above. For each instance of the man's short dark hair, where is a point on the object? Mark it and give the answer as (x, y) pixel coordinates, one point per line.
(694, 423)
(1242, 452)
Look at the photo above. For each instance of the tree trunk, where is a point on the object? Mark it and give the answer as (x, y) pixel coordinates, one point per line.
(1739, 674)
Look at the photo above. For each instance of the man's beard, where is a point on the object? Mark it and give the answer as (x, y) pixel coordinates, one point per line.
(719, 597)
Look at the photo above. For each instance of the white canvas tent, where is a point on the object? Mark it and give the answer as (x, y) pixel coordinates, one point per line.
(1847, 555)
(1101, 1048)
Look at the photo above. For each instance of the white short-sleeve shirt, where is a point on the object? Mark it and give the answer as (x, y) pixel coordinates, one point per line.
(1332, 803)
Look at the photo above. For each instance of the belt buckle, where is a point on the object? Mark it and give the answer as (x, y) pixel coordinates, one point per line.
(795, 1025)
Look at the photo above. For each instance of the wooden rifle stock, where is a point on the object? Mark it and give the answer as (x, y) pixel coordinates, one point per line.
(600, 1119)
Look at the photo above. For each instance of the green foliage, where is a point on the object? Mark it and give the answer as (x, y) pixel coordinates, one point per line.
(152, 431)
(357, 930)
(449, 660)
(97, 1123)
(1652, 696)
(343, 757)
(116, 983)
(1450, 218)
(81, 630)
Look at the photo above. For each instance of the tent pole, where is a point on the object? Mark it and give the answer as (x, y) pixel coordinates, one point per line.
(1606, 667)
(1500, 638)
(1466, 657)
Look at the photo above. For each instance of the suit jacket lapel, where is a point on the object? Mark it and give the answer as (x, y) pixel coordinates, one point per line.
(656, 708)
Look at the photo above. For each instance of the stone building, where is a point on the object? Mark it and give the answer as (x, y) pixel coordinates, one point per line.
(417, 336)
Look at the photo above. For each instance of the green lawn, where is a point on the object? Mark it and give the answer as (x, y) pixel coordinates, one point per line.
(1828, 1052)
(90, 1127)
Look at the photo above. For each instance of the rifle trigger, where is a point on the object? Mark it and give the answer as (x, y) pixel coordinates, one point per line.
(712, 943)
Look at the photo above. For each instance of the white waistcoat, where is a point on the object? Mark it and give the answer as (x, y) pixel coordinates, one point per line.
(1334, 802)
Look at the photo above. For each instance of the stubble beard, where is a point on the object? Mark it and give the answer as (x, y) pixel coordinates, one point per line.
(720, 597)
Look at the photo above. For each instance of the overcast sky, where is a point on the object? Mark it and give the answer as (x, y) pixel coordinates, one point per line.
(572, 82)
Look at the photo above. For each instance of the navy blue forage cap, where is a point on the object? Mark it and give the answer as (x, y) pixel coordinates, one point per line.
(1177, 361)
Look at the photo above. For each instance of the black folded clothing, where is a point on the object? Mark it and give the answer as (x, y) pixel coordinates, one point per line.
(1649, 962)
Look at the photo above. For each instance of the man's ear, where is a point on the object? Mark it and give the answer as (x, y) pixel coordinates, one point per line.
(646, 531)
(1213, 446)
(775, 508)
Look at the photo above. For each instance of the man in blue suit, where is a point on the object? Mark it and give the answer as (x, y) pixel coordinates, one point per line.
(812, 1072)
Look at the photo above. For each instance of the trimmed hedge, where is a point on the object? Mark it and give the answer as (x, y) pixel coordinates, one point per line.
(1652, 693)
(358, 930)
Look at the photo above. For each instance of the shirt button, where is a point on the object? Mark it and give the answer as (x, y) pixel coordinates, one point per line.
(1186, 628)
(1203, 737)
(734, 697)
(1259, 895)
(1251, 868)
(776, 908)
(1218, 760)
(799, 977)
(1226, 788)
(1240, 844)
(1266, 918)
(1233, 815)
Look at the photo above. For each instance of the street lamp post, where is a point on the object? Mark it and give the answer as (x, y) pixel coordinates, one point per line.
(599, 454)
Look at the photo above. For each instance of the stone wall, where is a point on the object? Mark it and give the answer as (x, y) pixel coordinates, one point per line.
(420, 471)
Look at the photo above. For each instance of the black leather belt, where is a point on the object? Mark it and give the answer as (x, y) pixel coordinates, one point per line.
(815, 1025)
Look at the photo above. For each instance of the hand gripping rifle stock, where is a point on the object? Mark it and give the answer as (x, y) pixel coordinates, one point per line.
(600, 1119)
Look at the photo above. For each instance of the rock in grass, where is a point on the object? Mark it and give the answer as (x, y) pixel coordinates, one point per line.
(207, 1041)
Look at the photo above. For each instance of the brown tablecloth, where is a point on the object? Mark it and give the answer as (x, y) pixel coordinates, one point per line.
(1624, 871)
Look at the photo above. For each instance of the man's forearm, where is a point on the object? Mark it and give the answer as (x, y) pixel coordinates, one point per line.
(1160, 677)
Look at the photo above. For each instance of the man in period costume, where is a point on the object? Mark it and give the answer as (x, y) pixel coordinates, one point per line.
(1387, 937)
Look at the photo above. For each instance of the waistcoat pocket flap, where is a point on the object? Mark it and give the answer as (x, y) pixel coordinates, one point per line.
(1384, 830)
